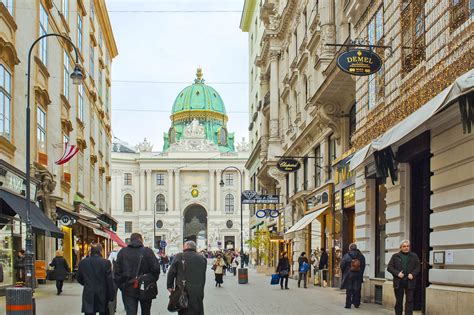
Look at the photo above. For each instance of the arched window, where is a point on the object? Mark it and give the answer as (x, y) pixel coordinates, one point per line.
(127, 203)
(222, 136)
(229, 203)
(160, 203)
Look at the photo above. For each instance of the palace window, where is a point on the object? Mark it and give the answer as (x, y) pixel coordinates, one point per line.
(460, 12)
(413, 31)
(229, 204)
(128, 226)
(5, 102)
(79, 32)
(376, 82)
(127, 203)
(43, 30)
(127, 179)
(160, 179)
(41, 129)
(160, 205)
(229, 179)
(66, 75)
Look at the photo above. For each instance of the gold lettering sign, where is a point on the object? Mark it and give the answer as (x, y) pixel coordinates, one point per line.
(359, 62)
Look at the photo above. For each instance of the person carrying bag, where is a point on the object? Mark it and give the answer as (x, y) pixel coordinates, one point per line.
(179, 297)
(283, 269)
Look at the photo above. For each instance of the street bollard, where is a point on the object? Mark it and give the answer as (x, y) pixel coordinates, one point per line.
(243, 276)
(19, 301)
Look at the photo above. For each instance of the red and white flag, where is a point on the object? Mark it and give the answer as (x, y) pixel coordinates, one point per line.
(69, 152)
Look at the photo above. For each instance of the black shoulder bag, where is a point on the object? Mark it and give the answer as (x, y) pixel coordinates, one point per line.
(145, 283)
(179, 297)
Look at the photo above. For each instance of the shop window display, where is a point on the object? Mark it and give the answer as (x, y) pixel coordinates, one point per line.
(6, 254)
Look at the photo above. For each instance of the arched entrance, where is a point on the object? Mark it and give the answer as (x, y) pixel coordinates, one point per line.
(195, 225)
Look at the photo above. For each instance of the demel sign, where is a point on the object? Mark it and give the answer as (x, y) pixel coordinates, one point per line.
(359, 62)
(288, 165)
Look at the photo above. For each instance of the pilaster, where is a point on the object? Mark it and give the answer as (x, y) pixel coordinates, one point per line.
(149, 198)
(142, 190)
(177, 190)
(170, 200)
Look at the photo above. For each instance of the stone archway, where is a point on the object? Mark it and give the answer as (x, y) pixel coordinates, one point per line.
(195, 225)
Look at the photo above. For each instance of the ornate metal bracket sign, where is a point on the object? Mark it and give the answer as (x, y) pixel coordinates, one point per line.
(250, 197)
(288, 165)
(359, 62)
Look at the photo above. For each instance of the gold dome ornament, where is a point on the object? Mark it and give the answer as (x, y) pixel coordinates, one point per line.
(194, 192)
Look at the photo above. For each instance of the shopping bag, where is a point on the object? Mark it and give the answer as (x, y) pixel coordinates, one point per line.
(275, 279)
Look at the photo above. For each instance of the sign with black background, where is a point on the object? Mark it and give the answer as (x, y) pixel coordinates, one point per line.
(359, 62)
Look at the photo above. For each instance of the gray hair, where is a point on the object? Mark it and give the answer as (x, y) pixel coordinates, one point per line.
(353, 246)
(190, 245)
(403, 242)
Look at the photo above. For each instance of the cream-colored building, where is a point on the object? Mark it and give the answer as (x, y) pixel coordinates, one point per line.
(176, 194)
(61, 112)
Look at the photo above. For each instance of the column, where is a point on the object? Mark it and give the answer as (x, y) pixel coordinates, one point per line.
(212, 190)
(176, 190)
(328, 27)
(274, 95)
(149, 197)
(218, 192)
(169, 201)
(142, 190)
(311, 171)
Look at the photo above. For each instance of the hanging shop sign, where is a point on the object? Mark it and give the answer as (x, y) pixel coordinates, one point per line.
(359, 62)
(67, 220)
(263, 213)
(16, 183)
(288, 165)
(250, 197)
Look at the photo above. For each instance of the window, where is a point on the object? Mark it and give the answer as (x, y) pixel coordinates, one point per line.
(229, 204)
(460, 12)
(380, 234)
(9, 5)
(127, 203)
(295, 40)
(91, 62)
(352, 123)
(160, 179)
(92, 11)
(66, 75)
(92, 183)
(287, 191)
(107, 99)
(305, 173)
(99, 83)
(80, 102)
(101, 135)
(127, 179)
(331, 154)
(295, 182)
(43, 30)
(66, 10)
(413, 30)
(41, 129)
(229, 179)
(80, 172)
(305, 20)
(79, 32)
(160, 205)
(297, 107)
(93, 125)
(5, 102)
(128, 226)
(376, 81)
(100, 39)
(318, 164)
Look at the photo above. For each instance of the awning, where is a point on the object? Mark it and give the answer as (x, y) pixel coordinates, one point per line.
(360, 156)
(114, 237)
(94, 227)
(40, 223)
(304, 221)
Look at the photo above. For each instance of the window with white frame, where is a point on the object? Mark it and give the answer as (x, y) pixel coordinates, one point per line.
(79, 32)
(80, 102)
(66, 10)
(41, 129)
(127, 203)
(66, 75)
(127, 179)
(229, 203)
(160, 203)
(43, 29)
(229, 179)
(91, 62)
(160, 179)
(9, 5)
(5, 102)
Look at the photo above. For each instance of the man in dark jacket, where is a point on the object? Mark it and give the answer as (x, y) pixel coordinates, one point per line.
(128, 267)
(301, 273)
(405, 267)
(323, 263)
(194, 273)
(61, 269)
(283, 269)
(95, 275)
(352, 268)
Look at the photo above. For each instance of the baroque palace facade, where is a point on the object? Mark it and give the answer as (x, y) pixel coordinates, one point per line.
(74, 198)
(351, 133)
(176, 194)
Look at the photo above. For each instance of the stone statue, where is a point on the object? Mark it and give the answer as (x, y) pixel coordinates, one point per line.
(144, 146)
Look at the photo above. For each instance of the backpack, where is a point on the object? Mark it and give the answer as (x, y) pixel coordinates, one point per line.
(355, 265)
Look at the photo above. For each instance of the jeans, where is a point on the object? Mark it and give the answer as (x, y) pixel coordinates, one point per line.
(302, 275)
(59, 285)
(131, 305)
(286, 281)
(403, 289)
(352, 297)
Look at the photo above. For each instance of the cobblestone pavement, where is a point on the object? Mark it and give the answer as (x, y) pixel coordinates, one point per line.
(256, 297)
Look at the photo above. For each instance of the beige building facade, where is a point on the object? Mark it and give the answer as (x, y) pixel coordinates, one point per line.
(61, 112)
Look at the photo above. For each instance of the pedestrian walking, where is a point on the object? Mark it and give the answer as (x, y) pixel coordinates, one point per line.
(136, 271)
(164, 261)
(218, 267)
(95, 275)
(283, 269)
(19, 266)
(113, 260)
(235, 265)
(405, 267)
(352, 268)
(61, 269)
(323, 265)
(303, 268)
(190, 267)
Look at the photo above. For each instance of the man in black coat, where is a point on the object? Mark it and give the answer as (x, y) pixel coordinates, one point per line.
(352, 268)
(195, 275)
(405, 267)
(126, 269)
(61, 269)
(95, 275)
(283, 269)
(323, 263)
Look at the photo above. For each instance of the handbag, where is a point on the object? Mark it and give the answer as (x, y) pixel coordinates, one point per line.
(275, 279)
(179, 297)
(50, 274)
(145, 283)
(214, 267)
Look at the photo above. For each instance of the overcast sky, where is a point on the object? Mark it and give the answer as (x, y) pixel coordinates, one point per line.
(158, 44)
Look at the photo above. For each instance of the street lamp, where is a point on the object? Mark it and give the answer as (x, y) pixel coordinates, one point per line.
(77, 76)
(241, 210)
(154, 217)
